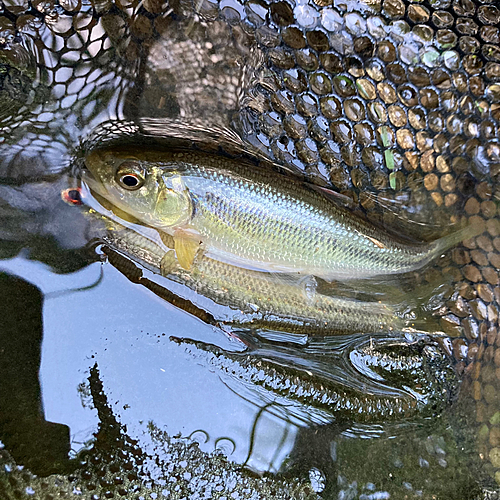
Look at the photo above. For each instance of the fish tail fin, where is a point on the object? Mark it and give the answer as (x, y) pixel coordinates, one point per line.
(453, 239)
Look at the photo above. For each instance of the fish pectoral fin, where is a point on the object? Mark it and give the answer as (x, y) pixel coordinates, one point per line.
(186, 247)
(168, 263)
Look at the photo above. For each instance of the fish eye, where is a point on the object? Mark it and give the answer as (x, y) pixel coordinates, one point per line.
(130, 175)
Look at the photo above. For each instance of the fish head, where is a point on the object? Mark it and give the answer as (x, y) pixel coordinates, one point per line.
(138, 188)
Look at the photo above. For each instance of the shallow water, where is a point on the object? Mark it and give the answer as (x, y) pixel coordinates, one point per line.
(88, 350)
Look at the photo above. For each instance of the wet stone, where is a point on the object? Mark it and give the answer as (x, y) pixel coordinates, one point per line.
(307, 151)
(490, 34)
(341, 131)
(489, 14)
(330, 107)
(429, 98)
(16, 7)
(419, 76)
(407, 95)
(494, 259)
(256, 13)
(281, 58)
(364, 47)
(282, 102)
(306, 15)
(375, 70)
(484, 243)
(379, 180)
(491, 338)
(318, 40)
(366, 89)
(441, 79)
(344, 86)
(373, 158)
(437, 198)
(450, 324)
(394, 9)
(469, 45)
(270, 124)
(488, 208)
(492, 313)
(472, 273)
(491, 394)
(363, 133)
(293, 37)
(385, 136)
(446, 39)
(387, 93)
(386, 51)
(418, 14)
(351, 158)
(306, 105)
(295, 80)
(472, 206)
(319, 129)
(450, 199)
(331, 63)
(330, 153)
(354, 109)
(431, 182)
(282, 13)
(493, 228)
(339, 177)
(267, 36)
(355, 67)
(447, 183)
(142, 27)
(479, 257)
(307, 59)
(360, 178)
(295, 126)
(405, 138)
(473, 65)
(377, 112)
(320, 83)
(490, 275)
(396, 73)
(423, 140)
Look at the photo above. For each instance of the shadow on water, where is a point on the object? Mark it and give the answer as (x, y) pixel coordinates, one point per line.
(40, 445)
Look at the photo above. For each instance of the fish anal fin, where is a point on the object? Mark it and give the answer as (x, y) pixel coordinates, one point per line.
(186, 246)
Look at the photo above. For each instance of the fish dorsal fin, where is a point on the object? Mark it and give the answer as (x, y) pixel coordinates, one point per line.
(186, 244)
(336, 197)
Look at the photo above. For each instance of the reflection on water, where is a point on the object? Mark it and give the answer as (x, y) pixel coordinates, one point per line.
(394, 104)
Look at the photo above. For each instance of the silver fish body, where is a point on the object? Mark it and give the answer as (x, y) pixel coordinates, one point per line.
(259, 301)
(255, 218)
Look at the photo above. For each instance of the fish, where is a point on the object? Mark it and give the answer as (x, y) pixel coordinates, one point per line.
(260, 301)
(252, 217)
